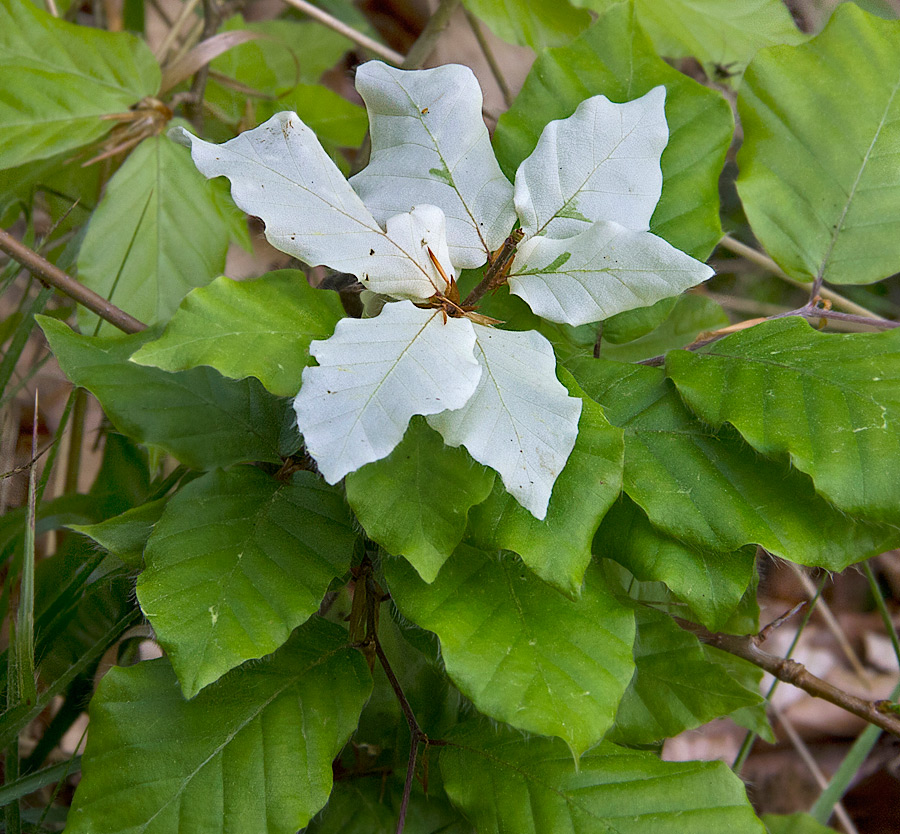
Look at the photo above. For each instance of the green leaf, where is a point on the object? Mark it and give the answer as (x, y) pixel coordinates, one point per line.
(712, 491)
(290, 53)
(824, 199)
(830, 401)
(632, 324)
(712, 583)
(718, 32)
(58, 80)
(372, 806)
(558, 548)
(534, 23)
(614, 58)
(753, 717)
(237, 561)
(126, 534)
(693, 315)
(251, 753)
(505, 783)
(415, 502)
(520, 650)
(156, 235)
(198, 416)
(676, 687)
(258, 328)
(794, 824)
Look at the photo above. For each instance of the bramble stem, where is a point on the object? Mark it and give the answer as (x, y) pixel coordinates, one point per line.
(52, 275)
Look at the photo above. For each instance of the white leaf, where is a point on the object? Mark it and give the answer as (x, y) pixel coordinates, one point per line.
(374, 375)
(602, 163)
(520, 421)
(280, 173)
(430, 145)
(603, 271)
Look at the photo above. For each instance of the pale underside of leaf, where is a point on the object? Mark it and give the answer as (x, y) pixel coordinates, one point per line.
(430, 145)
(602, 163)
(374, 375)
(280, 173)
(605, 270)
(520, 421)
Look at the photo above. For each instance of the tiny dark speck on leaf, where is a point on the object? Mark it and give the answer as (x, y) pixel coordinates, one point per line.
(293, 237)
(371, 251)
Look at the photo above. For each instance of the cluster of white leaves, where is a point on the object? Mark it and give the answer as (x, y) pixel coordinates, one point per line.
(433, 191)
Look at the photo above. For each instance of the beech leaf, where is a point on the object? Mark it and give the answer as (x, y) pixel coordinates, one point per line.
(605, 270)
(520, 421)
(430, 145)
(280, 173)
(602, 163)
(374, 375)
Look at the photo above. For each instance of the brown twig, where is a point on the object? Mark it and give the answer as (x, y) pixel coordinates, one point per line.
(796, 674)
(763, 260)
(810, 312)
(53, 276)
(496, 273)
(374, 597)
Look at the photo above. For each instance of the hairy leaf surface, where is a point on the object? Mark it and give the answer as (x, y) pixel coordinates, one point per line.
(504, 782)
(198, 416)
(676, 687)
(430, 145)
(415, 502)
(523, 652)
(558, 548)
(253, 752)
(156, 235)
(824, 199)
(711, 582)
(601, 163)
(57, 80)
(280, 173)
(830, 401)
(711, 490)
(614, 58)
(604, 270)
(238, 561)
(125, 535)
(374, 375)
(520, 420)
(259, 328)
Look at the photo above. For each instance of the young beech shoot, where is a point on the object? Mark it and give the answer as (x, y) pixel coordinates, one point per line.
(572, 234)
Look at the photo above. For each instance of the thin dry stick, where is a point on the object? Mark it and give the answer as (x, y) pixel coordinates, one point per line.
(373, 600)
(172, 35)
(796, 674)
(763, 260)
(53, 276)
(810, 762)
(834, 627)
(348, 32)
(428, 37)
(489, 57)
